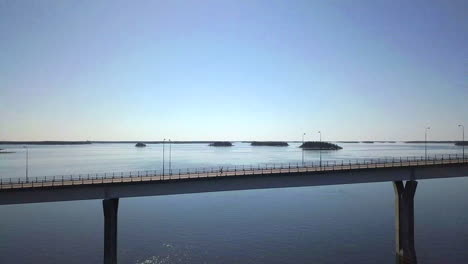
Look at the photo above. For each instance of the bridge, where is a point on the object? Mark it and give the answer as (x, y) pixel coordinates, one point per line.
(111, 186)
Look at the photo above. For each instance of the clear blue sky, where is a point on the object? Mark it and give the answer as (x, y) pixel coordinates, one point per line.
(234, 70)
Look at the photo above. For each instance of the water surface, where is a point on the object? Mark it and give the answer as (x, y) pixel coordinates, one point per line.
(325, 224)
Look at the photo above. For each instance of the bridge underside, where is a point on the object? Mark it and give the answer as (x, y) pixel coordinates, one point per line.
(228, 183)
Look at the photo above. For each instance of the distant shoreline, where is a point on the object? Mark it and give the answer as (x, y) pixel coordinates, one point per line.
(432, 141)
(98, 142)
(195, 142)
(45, 142)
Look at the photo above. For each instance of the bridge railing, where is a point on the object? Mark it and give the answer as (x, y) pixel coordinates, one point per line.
(228, 171)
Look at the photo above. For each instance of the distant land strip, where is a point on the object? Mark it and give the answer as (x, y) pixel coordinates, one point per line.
(221, 144)
(432, 141)
(55, 142)
(44, 142)
(100, 142)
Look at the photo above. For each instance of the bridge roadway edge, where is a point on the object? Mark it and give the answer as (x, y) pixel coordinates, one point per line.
(228, 183)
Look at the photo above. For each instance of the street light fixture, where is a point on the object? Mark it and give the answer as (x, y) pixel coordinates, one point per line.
(27, 162)
(303, 149)
(463, 140)
(320, 149)
(164, 141)
(425, 141)
(170, 157)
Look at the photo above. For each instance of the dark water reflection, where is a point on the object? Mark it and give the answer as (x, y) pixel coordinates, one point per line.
(331, 224)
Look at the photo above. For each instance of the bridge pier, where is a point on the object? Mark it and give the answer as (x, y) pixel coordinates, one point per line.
(404, 221)
(110, 207)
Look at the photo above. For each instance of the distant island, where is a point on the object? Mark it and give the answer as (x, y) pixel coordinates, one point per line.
(270, 143)
(316, 145)
(139, 144)
(368, 142)
(461, 143)
(221, 144)
(348, 141)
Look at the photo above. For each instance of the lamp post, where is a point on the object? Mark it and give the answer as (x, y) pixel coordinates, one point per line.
(27, 162)
(425, 141)
(164, 141)
(303, 149)
(463, 140)
(170, 157)
(320, 148)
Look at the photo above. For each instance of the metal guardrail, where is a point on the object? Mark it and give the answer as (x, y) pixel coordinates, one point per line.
(158, 175)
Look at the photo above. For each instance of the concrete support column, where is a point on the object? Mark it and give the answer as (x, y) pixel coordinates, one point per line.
(404, 221)
(110, 207)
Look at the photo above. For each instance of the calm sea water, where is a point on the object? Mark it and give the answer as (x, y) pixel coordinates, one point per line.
(327, 224)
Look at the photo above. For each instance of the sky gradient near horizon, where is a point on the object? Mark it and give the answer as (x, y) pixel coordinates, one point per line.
(233, 70)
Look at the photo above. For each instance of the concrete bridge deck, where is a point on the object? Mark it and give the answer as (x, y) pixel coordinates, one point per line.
(83, 187)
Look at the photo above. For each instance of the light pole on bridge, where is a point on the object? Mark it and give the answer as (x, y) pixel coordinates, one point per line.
(303, 148)
(164, 141)
(27, 162)
(320, 144)
(170, 157)
(463, 140)
(425, 141)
